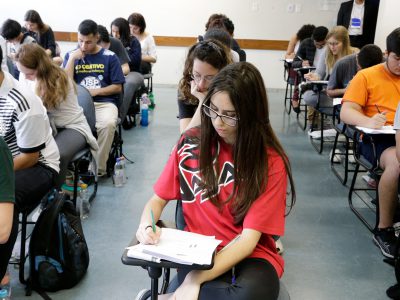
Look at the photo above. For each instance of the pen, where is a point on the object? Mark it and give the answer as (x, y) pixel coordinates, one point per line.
(377, 108)
(299, 58)
(153, 224)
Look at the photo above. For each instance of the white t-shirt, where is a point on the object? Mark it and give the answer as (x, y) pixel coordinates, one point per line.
(357, 19)
(24, 123)
(149, 46)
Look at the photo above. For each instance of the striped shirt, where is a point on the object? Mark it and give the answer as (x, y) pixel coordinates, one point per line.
(24, 124)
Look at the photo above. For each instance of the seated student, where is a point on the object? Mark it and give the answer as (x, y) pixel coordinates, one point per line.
(98, 70)
(8, 224)
(338, 46)
(203, 62)
(137, 25)
(370, 101)
(224, 37)
(346, 67)
(41, 32)
(115, 45)
(304, 32)
(3, 45)
(11, 30)
(308, 54)
(26, 130)
(223, 22)
(250, 204)
(120, 30)
(58, 93)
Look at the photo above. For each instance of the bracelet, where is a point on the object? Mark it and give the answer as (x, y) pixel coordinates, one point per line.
(148, 226)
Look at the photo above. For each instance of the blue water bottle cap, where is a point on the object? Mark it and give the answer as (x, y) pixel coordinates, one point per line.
(3, 293)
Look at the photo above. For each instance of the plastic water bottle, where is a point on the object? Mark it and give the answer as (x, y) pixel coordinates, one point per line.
(144, 120)
(84, 207)
(118, 174)
(152, 103)
(123, 164)
(4, 295)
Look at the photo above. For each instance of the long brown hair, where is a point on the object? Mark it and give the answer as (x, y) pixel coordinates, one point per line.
(245, 87)
(34, 17)
(52, 81)
(211, 52)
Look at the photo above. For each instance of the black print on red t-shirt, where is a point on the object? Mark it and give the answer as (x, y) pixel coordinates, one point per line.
(189, 174)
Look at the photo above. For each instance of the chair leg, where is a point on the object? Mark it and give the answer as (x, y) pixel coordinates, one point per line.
(22, 254)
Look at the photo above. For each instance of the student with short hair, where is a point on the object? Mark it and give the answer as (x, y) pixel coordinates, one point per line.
(227, 195)
(137, 25)
(370, 101)
(98, 70)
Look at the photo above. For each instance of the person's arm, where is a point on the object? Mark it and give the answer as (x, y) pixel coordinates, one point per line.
(145, 234)
(196, 119)
(224, 261)
(71, 57)
(352, 114)
(290, 49)
(111, 89)
(6, 220)
(125, 69)
(398, 145)
(151, 52)
(335, 93)
(25, 160)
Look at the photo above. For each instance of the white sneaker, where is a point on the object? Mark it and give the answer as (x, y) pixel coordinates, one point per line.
(143, 295)
(279, 246)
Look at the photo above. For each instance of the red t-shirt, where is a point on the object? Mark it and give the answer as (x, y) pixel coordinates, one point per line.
(179, 180)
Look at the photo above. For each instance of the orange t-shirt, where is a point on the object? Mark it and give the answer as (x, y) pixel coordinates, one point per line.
(375, 86)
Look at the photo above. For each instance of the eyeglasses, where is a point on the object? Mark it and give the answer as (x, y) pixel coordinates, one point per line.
(197, 78)
(230, 121)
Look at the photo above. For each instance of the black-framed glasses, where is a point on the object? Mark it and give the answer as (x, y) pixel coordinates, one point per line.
(230, 121)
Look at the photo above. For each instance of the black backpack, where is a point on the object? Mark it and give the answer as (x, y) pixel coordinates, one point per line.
(58, 253)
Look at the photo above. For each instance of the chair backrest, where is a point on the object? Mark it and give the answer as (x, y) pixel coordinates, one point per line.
(85, 100)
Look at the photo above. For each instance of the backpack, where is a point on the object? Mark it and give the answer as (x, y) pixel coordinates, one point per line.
(58, 253)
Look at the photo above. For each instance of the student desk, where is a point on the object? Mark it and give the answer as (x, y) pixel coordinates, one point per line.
(155, 269)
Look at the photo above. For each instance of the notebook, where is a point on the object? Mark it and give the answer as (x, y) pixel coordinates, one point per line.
(178, 246)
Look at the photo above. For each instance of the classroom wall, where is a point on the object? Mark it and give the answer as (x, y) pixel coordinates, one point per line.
(253, 19)
(388, 20)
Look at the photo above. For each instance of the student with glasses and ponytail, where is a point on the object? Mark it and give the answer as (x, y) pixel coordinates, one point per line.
(204, 60)
(231, 174)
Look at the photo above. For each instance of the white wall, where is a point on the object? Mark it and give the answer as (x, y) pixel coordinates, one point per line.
(253, 19)
(388, 20)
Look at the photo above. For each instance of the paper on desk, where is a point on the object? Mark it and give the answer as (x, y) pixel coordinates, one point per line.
(337, 101)
(136, 252)
(182, 247)
(382, 130)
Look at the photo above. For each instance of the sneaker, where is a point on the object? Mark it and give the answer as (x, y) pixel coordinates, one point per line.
(279, 246)
(143, 295)
(385, 239)
(6, 287)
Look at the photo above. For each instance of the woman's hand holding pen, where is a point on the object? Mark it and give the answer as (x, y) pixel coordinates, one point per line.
(146, 235)
(311, 76)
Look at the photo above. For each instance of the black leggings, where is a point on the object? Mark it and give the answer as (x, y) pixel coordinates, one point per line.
(256, 279)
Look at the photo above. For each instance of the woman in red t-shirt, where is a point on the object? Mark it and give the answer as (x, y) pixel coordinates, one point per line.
(231, 176)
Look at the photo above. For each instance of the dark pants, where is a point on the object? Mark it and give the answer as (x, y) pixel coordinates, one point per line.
(256, 279)
(69, 142)
(381, 143)
(145, 67)
(31, 185)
